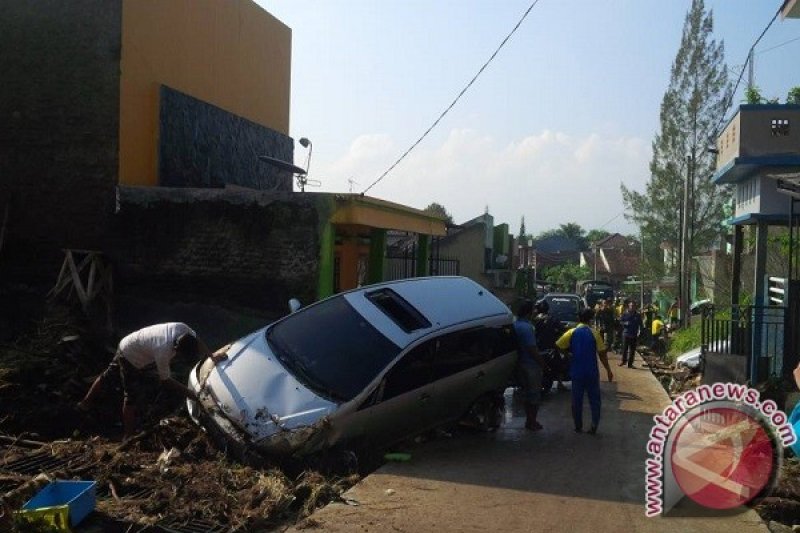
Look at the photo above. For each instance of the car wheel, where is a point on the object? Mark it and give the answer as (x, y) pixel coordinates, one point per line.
(486, 413)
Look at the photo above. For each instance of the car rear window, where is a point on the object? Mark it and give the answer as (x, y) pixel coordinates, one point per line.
(564, 309)
(400, 311)
(331, 348)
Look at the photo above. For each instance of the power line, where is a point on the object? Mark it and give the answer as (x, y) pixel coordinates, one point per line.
(457, 98)
(778, 46)
(741, 73)
(612, 219)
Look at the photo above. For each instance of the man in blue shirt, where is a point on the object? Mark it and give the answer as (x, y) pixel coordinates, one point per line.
(531, 365)
(631, 327)
(586, 346)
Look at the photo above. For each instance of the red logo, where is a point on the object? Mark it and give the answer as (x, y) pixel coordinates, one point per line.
(722, 458)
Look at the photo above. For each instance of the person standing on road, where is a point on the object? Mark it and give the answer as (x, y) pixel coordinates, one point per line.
(605, 321)
(138, 356)
(657, 330)
(586, 347)
(530, 364)
(548, 330)
(631, 328)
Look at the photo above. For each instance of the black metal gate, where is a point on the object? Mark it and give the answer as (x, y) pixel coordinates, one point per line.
(401, 261)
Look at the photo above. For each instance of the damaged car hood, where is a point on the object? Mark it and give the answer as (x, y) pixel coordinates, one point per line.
(256, 392)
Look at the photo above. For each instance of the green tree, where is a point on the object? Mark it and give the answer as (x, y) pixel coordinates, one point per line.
(692, 107)
(571, 231)
(439, 211)
(596, 235)
(752, 95)
(566, 275)
(794, 96)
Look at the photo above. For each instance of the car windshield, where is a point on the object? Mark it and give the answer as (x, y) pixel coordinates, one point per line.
(564, 309)
(331, 349)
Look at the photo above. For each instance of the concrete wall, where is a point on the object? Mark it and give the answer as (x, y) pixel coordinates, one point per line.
(227, 248)
(231, 54)
(468, 247)
(59, 101)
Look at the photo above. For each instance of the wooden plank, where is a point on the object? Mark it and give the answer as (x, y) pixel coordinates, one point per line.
(76, 279)
(61, 281)
(92, 272)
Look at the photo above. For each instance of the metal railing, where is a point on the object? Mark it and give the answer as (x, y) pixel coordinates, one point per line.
(755, 332)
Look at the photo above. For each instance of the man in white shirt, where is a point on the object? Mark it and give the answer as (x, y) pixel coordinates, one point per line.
(141, 352)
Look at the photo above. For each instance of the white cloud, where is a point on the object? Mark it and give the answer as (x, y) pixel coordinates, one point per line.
(551, 177)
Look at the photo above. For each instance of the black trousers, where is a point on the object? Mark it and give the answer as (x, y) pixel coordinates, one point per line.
(628, 350)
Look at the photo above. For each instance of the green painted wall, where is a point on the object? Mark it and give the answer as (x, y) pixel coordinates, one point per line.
(423, 254)
(377, 255)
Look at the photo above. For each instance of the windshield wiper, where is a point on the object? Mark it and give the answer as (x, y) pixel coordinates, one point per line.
(296, 366)
(302, 371)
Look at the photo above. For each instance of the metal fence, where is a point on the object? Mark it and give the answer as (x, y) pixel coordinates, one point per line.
(754, 332)
(401, 263)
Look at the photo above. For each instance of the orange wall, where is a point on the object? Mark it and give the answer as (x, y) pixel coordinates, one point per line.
(229, 53)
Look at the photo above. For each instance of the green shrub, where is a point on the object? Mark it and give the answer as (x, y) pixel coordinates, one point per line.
(684, 340)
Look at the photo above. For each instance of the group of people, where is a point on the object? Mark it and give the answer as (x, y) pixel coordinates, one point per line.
(619, 327)
(585, 346)
(623, 327)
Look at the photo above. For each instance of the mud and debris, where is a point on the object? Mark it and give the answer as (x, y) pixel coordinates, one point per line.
(169, 473)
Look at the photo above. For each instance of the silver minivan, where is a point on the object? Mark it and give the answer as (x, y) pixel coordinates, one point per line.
(370, 366)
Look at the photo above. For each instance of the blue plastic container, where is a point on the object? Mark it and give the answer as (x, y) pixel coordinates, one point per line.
(79, 496)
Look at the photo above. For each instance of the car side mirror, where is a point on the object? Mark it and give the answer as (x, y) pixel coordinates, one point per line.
(294, 305)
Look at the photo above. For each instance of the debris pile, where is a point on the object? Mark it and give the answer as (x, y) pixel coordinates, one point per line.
(675, 379)
(170, 473)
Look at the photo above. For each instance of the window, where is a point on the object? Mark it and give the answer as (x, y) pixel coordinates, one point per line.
(400, 311)
(463, 350)
(411, 372)
(331, 348)
(780, 127)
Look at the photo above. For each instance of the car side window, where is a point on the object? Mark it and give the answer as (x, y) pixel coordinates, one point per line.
(462, 350)
(503, 340)
(411, 372)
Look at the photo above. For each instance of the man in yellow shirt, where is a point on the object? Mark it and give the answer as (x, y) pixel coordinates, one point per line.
(657, 329)
(586, 346)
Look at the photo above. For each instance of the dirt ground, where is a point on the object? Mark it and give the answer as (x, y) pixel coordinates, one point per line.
(169, 474)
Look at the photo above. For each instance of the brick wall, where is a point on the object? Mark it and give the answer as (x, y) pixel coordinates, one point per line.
(230, 248)
(59, 101)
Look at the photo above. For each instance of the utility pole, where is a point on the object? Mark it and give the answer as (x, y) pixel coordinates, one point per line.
(685, 252)
(751, 82)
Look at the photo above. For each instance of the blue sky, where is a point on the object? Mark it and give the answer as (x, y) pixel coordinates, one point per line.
(564, 114)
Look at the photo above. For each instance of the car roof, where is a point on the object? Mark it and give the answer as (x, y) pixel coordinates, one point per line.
(561, 295)
(445, 301)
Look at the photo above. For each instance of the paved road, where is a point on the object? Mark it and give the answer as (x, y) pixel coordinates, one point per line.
(515, 480)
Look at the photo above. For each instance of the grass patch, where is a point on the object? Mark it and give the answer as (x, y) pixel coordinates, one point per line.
(684, 340)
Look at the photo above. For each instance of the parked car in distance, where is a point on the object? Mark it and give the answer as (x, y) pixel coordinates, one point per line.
(592, 291)
(564, 307)
(370, 366)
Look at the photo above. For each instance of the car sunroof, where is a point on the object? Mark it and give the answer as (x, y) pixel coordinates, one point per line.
(400, 311)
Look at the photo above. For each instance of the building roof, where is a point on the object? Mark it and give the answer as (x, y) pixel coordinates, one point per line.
(621, 263)
(615, 240)
(555, 244)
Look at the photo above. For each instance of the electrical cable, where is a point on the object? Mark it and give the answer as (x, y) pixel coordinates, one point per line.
(770, 49)
(741, 74)
(453, 103)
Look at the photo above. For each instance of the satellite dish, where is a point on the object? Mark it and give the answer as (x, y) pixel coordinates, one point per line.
(283, 165)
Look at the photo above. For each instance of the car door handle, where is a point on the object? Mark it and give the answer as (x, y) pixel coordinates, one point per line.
(424, 397)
